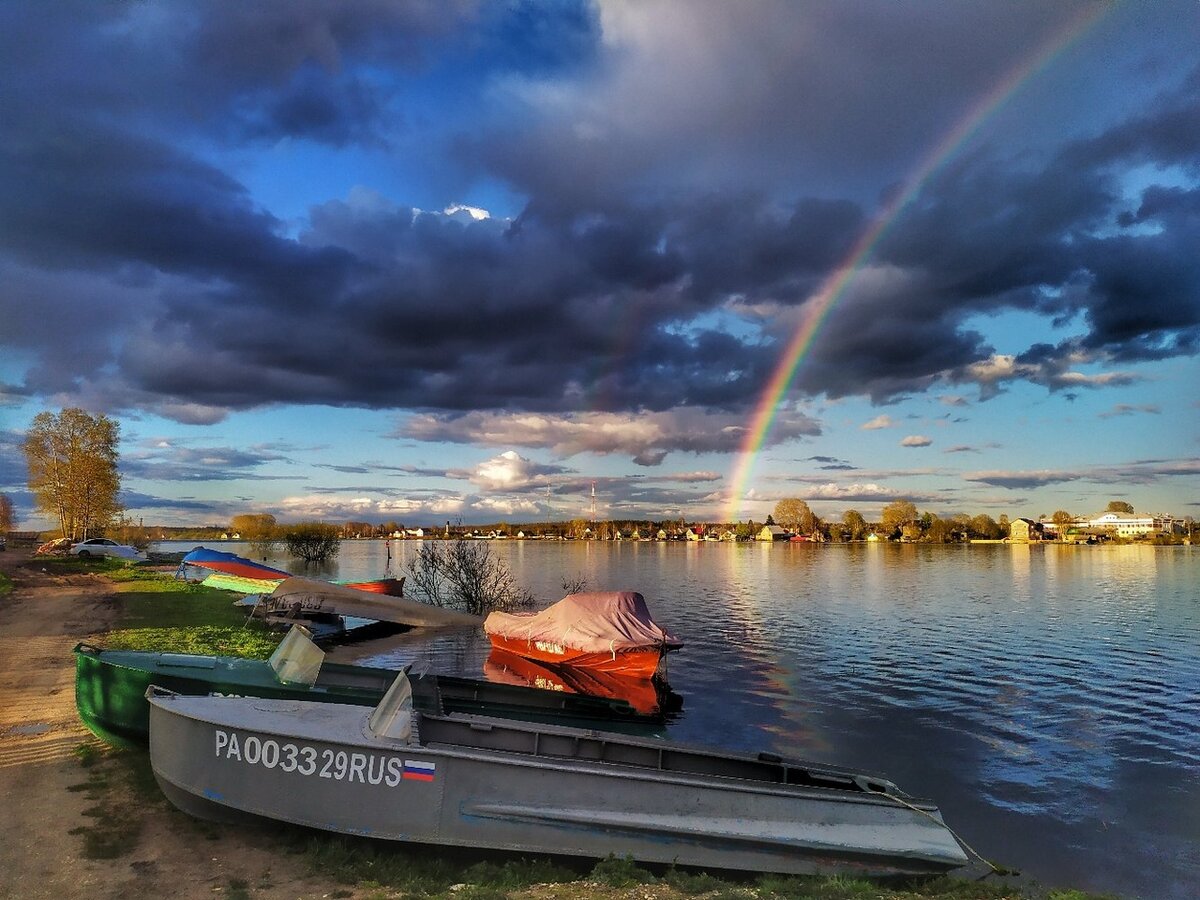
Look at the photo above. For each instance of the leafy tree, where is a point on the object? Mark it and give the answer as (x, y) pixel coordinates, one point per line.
(1002, 522)
(839, 531)
(72, 461)
(1120, 506)
(313, 541)
(855, 524)
(939, 530)
(897, 514)
(260, 529)
(1061, 520)
(985, 526)
(6, 513)
(795, 516)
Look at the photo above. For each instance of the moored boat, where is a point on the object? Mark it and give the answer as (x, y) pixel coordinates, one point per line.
(395, 773)
(110, 688)
(604, 631)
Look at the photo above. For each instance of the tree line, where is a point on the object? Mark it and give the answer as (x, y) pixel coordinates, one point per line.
(72, 462)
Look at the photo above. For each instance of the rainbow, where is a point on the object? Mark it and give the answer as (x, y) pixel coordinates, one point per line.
(831, 290)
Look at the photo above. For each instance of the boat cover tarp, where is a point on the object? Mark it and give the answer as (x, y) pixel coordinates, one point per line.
(306, 596)
(595, 622)
(230, 564)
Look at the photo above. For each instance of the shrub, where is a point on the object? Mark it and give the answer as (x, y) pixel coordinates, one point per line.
(313, 541)
(465, 574)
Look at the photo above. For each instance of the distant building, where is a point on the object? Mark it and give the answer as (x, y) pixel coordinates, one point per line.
(1127, 525)
(772, 533)
(1023, 531)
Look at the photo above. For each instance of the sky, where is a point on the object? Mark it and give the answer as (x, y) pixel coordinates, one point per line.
(453, 261)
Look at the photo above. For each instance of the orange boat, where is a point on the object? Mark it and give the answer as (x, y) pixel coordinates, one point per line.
(650, 697)
(610, 632)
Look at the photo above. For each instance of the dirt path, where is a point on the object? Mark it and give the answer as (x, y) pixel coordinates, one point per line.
(40, 736)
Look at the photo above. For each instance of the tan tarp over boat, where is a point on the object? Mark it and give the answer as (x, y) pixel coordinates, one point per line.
(599, 622)
(300, 598)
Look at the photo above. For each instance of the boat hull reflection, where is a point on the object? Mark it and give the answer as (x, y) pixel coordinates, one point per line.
(649, 696)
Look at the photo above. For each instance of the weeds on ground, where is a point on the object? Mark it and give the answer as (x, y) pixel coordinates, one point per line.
(6, 584)
(115, 826)
(421, 872)
(621, 872)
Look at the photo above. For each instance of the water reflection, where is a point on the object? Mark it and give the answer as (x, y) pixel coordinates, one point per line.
(649, 696)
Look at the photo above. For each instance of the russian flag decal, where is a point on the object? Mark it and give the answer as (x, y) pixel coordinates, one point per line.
(415, 770)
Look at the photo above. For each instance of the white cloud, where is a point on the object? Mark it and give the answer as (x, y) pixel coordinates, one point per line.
(916, 440)
(878, 422)
(646, 436)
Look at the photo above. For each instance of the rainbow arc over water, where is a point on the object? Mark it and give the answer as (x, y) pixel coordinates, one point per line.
(834, 287)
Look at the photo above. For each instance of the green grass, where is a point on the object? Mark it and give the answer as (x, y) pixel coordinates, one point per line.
(6, 584)
(160, 612)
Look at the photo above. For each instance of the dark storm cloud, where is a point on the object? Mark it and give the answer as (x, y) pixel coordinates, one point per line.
(605, 294)
(1145, 471)
(201, 464)
(135, 500)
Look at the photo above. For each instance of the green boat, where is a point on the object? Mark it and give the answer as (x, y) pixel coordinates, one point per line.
(110, 689)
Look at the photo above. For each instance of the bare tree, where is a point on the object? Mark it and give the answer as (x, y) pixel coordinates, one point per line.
(465, 574)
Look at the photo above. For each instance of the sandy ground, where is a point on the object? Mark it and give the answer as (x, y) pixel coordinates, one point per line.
(40, 622)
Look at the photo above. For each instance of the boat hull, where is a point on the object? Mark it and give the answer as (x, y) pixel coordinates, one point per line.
(640, 663)
(110, 692)
(317, 765)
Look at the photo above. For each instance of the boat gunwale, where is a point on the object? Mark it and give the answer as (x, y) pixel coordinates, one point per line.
(367, 739)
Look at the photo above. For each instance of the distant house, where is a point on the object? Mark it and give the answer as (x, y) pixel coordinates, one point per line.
(661, 535)
(873, 537)
(728, 535)
(1023, 531)
(772, 533)
(414, 532)
(695, 534)
(1127, 525)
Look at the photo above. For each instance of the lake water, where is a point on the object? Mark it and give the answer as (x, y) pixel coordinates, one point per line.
(1047, 698)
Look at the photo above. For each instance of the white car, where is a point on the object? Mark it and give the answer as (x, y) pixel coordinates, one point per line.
(105, 547)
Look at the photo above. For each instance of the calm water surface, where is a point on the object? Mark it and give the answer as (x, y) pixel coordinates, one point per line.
(1047, 698)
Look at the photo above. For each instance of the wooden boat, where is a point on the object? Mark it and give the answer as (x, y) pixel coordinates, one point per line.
(396, 773)
(604, 631)
(110, 688)
(649, 696)
(299, 598)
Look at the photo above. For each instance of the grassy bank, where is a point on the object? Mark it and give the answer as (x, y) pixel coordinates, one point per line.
(160, 612)
(157, 612)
